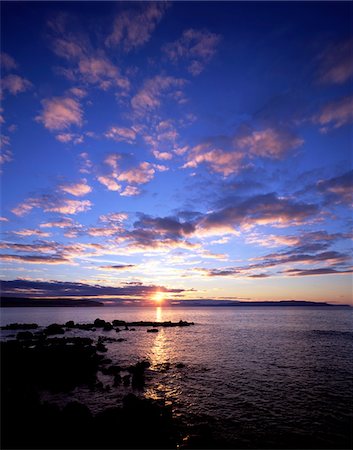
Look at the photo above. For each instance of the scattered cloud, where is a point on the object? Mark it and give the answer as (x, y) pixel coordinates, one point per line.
(335, 114)
(133, 28)
(130, 191)
(121, 134)
(196, 47)
(149, 97)
(77, 189)
(31, 232)
(7, 62)
(336, 63)
(60, 113)
(15, 84)
(269, 142)
(109, 182)
(52, 204)
(338, 189)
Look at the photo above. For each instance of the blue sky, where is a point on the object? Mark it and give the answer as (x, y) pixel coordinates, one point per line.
(195, 149)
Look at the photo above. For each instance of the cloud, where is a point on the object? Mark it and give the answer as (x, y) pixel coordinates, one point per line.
(121, 134)
(60, 223)
(338, 189)
(70, 289)
(7, 62)
(77, 189)
(130, 191)
(141, 174)
(119, 267)
(70, 137)
(99, 70)
(261, 209)
(269, 143)
(87, 64)
(52, 204)
(148, 98)
(320, 271)
(113, 217)
(109, 182)
(86, 163)
(335, 114)
(30, 232)
(229, 154)
(217, 159)
(60, 113)
(133, 28)
(6, 153)
(197, 47)
(33, 259)
(15, 84)
(336, 63)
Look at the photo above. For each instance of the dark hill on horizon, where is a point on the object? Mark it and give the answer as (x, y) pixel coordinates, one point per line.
(7, 302)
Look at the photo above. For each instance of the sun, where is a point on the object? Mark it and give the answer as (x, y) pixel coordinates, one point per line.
(158, 297)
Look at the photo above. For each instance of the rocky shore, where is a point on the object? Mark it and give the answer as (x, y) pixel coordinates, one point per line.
(41, 358)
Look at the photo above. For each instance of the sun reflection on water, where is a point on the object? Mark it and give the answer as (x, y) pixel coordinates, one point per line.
(162, 352)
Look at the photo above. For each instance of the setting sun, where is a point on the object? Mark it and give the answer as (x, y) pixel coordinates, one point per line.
(158, 297)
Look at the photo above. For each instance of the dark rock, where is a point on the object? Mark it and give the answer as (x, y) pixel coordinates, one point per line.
(107, 326)
(117, 330)
(101, 348)
(119, 322)
(70, 324)
(126, 380)
(117, 379)
(180, 365)
(25, 335)
(20, 326)
(54, 328)
(99, 323)
(152, 330)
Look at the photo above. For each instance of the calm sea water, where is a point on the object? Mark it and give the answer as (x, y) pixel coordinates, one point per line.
(262, 372)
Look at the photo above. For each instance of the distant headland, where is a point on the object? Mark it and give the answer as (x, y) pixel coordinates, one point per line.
(7, 302)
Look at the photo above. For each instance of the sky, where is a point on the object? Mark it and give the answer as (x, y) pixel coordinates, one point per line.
(177, 150)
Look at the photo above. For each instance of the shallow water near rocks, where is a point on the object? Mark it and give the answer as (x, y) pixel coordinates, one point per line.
(257, 374)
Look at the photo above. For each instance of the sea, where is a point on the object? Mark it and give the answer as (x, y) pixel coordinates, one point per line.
(254, 375)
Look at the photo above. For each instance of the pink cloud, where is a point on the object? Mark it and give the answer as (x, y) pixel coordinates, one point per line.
(62, 223)
(130, 191)
(99, 70)
(162, 155)
(120, 134)
(269, 143)
(133, 28)
(70, 137)
(195, 46)
(15, 84)
(86, 163)
(77, 189)
(7, 62)
(335, 114)
(78, 92)
(62, 206)
(29, 232)
(149, 97)
(60, 113)
(219, 160)
(336, 63)
(109, 182)
(113, 217)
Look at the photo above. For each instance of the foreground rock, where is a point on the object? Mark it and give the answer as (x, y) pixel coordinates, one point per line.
(31, 364)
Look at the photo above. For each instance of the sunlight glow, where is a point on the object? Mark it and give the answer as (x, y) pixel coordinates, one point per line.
(158, 297)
